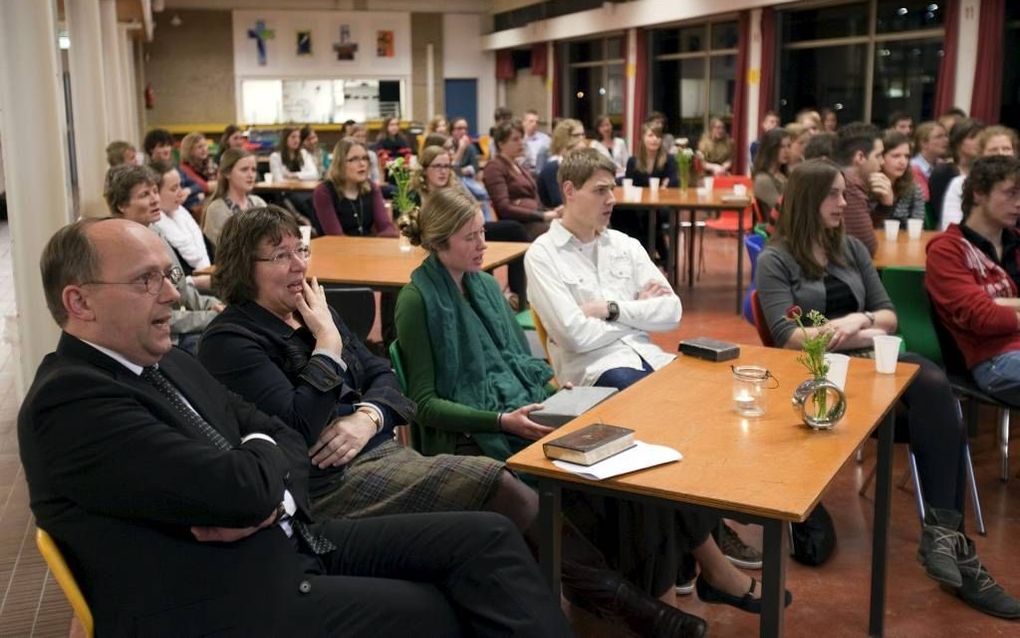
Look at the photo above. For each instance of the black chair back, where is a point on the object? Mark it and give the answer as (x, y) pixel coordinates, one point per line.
(356, 306)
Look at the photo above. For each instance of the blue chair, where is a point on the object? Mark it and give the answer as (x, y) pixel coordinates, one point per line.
(754, 243)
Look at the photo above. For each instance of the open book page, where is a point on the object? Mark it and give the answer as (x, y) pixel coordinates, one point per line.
(638, 457)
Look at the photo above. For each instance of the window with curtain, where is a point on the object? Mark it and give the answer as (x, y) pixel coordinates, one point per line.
(693, 75)
(865, 60)
(594, 79)
(1010, 113)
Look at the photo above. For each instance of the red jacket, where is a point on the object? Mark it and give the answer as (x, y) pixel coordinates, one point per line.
(963, 284)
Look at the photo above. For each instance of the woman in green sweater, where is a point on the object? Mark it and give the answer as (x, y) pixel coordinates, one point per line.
(469, 369)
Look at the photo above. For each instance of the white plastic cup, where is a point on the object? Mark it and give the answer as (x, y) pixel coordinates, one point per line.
(703, 193)
(887, 349)
(306, 235)
(707, 183)
(838, 366)
(628, 184)
(914, 228)
(892, 229)
(268, 178)
(740, 190)
(653, 183)
(404, 243)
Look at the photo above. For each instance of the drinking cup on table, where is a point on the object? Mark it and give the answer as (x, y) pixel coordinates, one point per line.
(306, 236)
(838, 366)
(892, 228)
(740, 190)
(703, 193)
(887, 349)
(628, 183)
(914, 228)
(708, 183)
(653, 183)
(268, 178)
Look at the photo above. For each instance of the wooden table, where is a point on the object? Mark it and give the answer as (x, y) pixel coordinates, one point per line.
(904, 252)
(378, 262)
(769, 470)
(288, 186)
(677, 200)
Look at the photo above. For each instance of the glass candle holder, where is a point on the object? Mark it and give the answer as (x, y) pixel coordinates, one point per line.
(749, 383)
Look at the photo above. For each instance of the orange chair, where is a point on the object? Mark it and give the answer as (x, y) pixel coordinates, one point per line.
(543, 336)
(62, 574)
(764, 334)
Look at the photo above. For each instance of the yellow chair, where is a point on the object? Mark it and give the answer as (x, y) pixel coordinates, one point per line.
(543, 336)
(483, 143)
(62, 573)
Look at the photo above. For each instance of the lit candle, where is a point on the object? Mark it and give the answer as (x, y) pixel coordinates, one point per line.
(744, 400)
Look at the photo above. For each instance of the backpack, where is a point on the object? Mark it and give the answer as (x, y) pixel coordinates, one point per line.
(814, 540)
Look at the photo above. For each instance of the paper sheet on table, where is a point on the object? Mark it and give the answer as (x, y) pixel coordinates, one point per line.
(638, 457)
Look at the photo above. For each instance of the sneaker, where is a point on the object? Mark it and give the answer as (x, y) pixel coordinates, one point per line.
(941, 545)
(979, 589)
(736, 550)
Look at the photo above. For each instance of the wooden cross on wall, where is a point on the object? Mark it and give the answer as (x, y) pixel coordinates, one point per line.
(260, 34)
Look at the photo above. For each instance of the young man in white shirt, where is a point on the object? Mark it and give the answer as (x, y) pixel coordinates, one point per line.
(536, 143)
(595, 289)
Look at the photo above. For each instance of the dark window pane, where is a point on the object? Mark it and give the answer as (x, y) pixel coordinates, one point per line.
(823, 77)
(826, 22)
(1010, 114)
(723, 71)
(907, 15)
(665, 82)
(905, 74)
(665, 41)
(693, 87)
(584, 51)
(724, 35)
(584, 101)
(614, 48)
(1012, 12)
(692, 39)
(614, 91)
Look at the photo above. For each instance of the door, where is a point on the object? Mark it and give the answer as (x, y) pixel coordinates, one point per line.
(462, 101)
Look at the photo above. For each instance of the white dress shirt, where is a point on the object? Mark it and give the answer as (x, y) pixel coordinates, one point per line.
(534, 145)
(309, 171)
(561, 278)
(952, 203)
(181, 231)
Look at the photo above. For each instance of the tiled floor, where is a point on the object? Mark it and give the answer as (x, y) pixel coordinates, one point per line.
(830, 601)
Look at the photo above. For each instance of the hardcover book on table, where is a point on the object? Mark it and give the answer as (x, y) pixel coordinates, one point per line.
(590, 444)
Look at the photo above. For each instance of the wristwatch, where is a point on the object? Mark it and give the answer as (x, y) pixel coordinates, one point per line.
(614, 311)
(871, 318)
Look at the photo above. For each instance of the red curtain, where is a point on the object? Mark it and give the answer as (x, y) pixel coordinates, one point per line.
(504, 65)
(557, 94)
(944, 86)
(739, 126)
(767, 78)
(640, 85)
(540, 59)
(986, 101)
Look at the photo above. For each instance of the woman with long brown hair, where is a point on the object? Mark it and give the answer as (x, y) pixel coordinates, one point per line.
(347, 202)
(513, 190)
(908, 200)
(233, 194)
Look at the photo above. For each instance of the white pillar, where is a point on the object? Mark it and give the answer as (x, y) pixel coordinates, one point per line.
(430, 81)
(966, 53)
(90, 136)
(112, 75)
(630, 77)
(550, 68)
(127, 67)
(753, 79)
(32, 118)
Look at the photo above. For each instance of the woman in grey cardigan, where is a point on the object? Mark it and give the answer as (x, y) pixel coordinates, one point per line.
(811, 264)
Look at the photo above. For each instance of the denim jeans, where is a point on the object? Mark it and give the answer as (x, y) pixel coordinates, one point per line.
(621, 378)
(479, 193)
(1000, 377)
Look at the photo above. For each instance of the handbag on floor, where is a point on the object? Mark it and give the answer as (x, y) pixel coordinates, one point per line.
(814, 540)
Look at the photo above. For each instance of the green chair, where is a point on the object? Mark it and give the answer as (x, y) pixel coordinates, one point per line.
(913, 311)
(406, 434)
(525, 320)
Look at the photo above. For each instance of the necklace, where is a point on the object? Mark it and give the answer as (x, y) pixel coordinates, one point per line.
(357, 212)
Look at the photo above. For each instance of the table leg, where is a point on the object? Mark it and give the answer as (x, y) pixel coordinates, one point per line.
(740, 261)
(549, 536)
(674, 234)
(690, 248)
(653, 227)
(880, 533)
(773, 580)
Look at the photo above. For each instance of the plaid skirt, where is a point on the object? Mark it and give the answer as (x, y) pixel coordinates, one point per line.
(393, 479)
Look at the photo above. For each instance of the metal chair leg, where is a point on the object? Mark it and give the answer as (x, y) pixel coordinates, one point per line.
(859, 457)
(1004, 443)
(867, 481)
(789, 530)
(917, 485)
(969, 465)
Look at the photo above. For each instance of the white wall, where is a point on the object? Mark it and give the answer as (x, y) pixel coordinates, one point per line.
(463, 58)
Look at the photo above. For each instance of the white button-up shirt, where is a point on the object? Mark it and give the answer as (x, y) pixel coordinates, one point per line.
(561, 279)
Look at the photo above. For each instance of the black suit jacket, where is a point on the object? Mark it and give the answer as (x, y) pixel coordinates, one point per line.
(117, 476)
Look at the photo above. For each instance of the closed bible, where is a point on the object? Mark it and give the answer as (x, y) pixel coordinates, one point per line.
(590, 444)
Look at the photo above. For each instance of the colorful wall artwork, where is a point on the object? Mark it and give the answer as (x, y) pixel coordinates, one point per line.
(304, 42)
(384, 44)
(346, 48)
(260, 34)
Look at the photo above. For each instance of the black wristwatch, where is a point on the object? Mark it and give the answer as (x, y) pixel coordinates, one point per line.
(614, 311)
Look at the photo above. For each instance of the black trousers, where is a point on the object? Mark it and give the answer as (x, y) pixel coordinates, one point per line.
(937, 435)
(437, 574)
(509, 230)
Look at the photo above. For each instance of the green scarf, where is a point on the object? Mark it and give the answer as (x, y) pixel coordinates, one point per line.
(481, 357)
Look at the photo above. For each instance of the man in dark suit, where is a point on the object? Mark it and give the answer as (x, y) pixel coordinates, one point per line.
(182, 510)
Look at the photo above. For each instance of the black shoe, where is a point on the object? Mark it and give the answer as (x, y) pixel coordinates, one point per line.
(979, 589)
(687, 573)
(606, 594)
(941, 546)
(735, 550)
(709, 594)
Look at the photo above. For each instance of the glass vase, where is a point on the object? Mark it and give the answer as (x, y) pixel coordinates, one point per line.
(819, 403)
(685, 174)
